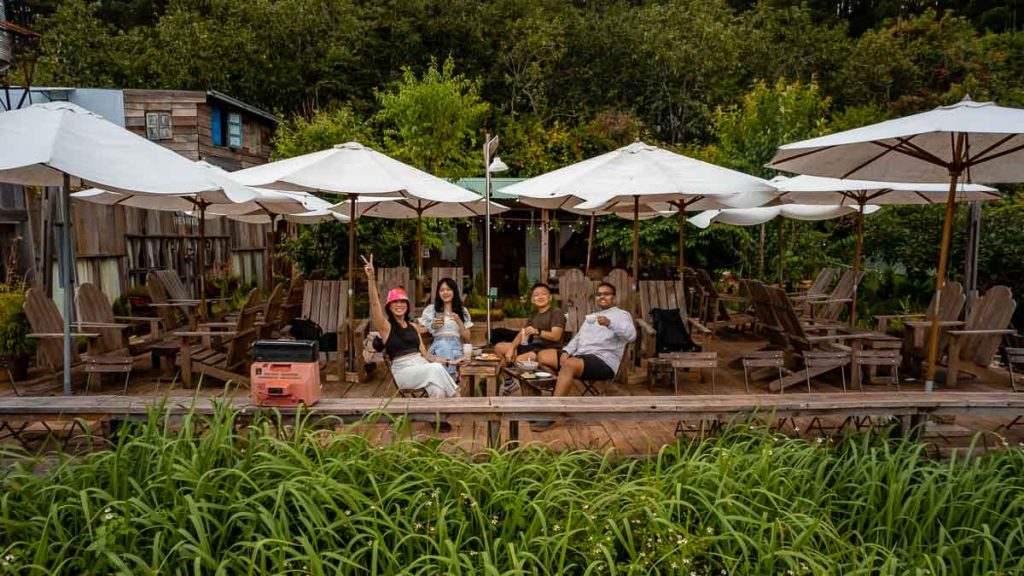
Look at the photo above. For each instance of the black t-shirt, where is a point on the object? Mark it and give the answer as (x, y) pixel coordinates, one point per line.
(401, 341)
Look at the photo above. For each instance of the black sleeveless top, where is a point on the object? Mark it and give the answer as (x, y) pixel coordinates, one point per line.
(401, 341)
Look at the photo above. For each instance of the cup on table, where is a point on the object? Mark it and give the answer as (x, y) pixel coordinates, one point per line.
(591, 318)
(467, 351)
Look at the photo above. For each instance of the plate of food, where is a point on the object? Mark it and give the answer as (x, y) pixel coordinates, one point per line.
(528, 375)
(488, 357)
(542, 374)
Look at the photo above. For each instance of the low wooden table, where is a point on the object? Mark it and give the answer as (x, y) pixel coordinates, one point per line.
(531, 386)
(471, 374)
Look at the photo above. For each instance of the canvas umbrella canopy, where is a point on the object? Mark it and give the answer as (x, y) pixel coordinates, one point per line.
(762, 214)
(264, 205)
(641, 172)
(353, 170)
(418, 208)
(595, 208)
(820, 190)
(61, 144)
(973, 141)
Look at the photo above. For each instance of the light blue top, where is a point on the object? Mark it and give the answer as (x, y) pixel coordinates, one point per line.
(449, 328)
(607, 343)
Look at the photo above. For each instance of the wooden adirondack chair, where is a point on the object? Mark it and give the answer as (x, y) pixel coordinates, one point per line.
(173, 314)
(811, 338)
(272, 321)
(667, 295)
(829, 308)
(325, 302)
(625, 296)
(96, 314)
(764, 313)
(818, 289)
(715, 313)
(232, 363)
(48, 329)
(575, 299)
(972, 348)
(388, 278)
(952, 299)
(291, 307)
(917, 326)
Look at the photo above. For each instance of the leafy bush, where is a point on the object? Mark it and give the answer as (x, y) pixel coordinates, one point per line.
(266, 498)
(14, 326)
(516, 307)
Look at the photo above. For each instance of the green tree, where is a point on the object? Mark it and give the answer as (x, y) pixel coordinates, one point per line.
(434, 122)
(325, 128)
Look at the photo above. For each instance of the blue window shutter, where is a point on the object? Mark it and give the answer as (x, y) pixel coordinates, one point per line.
(215, 128)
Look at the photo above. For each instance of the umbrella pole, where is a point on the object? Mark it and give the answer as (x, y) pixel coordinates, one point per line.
(760, 254)
(682, 239)
(201, 260)
(419, 256)
(636, 243)
(270, 251)
(590, 244)
(858, 246)
(66, 269)
(352, 198)
(782, 253)
(940, 280)
(545, 250)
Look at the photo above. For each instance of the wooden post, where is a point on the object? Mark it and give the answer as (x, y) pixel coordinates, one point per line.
(782, 254)
(760, 253)
(590, 244)
(418, 282)
(352, 198)
(940, 275)
(857, 247)
(271, 240)
(201, 260)
(682, 239)
(544, 248)
(636, 244)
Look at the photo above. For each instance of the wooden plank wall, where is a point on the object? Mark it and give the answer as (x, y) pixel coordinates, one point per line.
(135, 241)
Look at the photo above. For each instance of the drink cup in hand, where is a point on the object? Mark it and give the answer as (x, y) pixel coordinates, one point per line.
(467, 352)
(591, 318)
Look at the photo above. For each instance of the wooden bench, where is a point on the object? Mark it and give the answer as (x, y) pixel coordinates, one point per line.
(510, 410)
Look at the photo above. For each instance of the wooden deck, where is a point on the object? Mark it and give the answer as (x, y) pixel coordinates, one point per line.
(987, 406)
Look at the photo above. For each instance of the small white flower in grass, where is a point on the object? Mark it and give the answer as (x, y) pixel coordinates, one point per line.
(790, 572)
(686, 561)
(473, 552)
(108, 516)
(556, 528)
(348, 512)
(723, 572)
(796, 428)
(675, 565)
(418, 526)
(431, 530)
(820, 440)
(710, 530)
(8, 558)
(693, 573)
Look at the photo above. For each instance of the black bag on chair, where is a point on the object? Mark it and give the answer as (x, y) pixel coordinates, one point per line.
(306, 329)
(671, 334)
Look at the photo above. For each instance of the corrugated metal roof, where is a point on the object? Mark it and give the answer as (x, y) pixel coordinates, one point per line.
(477, 185)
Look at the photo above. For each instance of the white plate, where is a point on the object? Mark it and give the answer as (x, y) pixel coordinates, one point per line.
(543, 374)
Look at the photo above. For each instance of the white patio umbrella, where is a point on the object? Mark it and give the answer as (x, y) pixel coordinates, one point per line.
(264, 206)
(820, 190)
(409, 208)
(353, 170)
(641, 172)
(61, 144)
(595, 208)
(973, 141)
(762, 214)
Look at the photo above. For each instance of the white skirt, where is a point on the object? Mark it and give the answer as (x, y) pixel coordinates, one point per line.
(413, 372)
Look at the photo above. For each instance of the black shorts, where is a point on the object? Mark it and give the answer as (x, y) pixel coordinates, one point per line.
(527, 348)
(595, 369)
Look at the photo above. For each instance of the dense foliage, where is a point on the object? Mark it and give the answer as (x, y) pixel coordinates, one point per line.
(266, 498)
(725, 80)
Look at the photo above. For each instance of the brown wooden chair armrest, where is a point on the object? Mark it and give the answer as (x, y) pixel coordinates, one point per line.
(928, 324)
(101, 325)
(200, 334)
(137, 319)
(700, 327)
(894, 316)
(980, 332)
(217, 325)
(644, 326)
(61, 335)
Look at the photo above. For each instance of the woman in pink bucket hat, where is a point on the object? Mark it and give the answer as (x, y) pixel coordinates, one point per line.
(411, 365)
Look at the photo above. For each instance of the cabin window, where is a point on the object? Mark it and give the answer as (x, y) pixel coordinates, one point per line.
(158, 126)
(234, 130)
(216, 126)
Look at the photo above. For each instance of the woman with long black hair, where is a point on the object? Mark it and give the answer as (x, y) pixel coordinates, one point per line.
(449, 323)
(411, 365)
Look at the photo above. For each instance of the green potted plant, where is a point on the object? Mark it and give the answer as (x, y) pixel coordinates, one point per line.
(16, 348)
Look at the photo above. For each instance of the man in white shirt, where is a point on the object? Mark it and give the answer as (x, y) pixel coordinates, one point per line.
(595, 352)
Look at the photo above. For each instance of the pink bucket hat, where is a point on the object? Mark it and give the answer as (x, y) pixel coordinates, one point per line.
(396, 294)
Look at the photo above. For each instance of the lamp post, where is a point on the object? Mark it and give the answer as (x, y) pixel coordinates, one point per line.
(497, 166)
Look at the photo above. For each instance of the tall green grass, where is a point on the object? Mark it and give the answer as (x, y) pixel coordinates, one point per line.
(210, 497)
